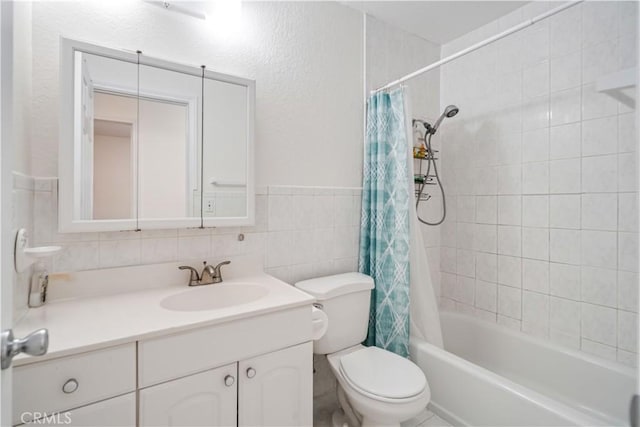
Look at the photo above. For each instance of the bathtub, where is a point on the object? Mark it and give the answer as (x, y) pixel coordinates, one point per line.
(492, 376)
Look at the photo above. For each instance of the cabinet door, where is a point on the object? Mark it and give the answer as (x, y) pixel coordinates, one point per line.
(276, 389)
(119, 411)
(205, 399)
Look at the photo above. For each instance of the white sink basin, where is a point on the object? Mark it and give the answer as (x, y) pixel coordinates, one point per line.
(215, 296)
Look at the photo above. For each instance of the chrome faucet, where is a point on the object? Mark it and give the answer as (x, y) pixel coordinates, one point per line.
(209, 274)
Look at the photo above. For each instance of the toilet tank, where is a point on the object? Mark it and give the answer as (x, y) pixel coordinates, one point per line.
(345, 298)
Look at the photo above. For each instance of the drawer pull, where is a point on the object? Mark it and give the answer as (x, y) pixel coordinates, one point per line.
(251, 373)
(70, 386)
(229, 380)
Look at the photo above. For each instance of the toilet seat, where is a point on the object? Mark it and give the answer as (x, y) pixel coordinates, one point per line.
(380, 374)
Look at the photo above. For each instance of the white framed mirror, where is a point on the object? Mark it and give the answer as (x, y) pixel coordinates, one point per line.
(147, 144)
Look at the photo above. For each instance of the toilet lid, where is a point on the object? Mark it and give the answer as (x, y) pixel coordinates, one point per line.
(383, 373)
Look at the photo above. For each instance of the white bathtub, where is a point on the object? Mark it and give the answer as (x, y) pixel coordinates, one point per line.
(492, 376)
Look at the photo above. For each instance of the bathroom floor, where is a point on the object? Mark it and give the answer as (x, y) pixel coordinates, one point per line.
(426, 418)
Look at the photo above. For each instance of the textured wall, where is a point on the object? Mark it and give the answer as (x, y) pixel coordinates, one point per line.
(392, 53)
(541, 172)
(306, 58)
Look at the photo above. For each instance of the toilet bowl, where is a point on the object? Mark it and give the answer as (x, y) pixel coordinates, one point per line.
(387, 400)
(381, 388)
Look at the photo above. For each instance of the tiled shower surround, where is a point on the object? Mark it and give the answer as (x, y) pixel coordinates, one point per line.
(301, 232)
(541, 174)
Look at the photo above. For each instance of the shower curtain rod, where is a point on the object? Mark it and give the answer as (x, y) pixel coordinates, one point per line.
(477, 46)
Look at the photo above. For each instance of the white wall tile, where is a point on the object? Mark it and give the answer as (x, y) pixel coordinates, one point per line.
(485, 238)
(509, 240)
(535, 313)
(564, 176)
(599, 60)
(600, 211)
(510, 271)
(627, 172)
(600, 21)
(565, 142)
(599, 324)
(628, 290)
(485, 182)
(565, 211)
(486, 295)
(487, 267)
(628, 331)
(597, 104)
(564, 316)
(535, 211)
(194, 248)
(466, 264)
(565, 106)
(486, 209)
(535, 178)
(466, 209)
(535, 243)
(599, 286)
(510, 302)
(510, 179)
(535, 275)
(627, 134)
(464, 290)
(600, 174)
(535, 80)
(600, 136)
(448, 259)
(628, 251)
(114, 253)
(158, 250)
(566, 71)
(564, 246)
(535, 145)
(536, 112)
(280, 209)
(509, 210)
(599, 249)
(564, 280)
(565, 30)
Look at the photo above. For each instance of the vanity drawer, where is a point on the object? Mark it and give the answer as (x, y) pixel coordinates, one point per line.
(99, 375)
(174, 356)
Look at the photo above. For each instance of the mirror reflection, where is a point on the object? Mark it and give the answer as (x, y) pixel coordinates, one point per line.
(157, 142)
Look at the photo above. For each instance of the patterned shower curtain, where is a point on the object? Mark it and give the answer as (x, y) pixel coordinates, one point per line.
(384, 227)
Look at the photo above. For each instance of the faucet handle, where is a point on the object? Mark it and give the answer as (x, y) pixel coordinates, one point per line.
(217, 267)
(195, 277)
(217, 272)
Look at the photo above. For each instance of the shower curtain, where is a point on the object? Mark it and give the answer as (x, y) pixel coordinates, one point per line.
(391, 249)
(384, 227)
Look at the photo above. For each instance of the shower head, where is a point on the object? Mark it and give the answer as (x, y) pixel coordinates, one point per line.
(448, 112)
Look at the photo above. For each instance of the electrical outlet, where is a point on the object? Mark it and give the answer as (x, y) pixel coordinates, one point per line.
(209, 206)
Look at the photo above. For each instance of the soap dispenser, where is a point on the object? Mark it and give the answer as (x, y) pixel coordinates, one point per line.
(38, 287)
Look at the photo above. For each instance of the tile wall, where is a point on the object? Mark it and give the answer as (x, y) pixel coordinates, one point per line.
(301, 232)
(541, 173)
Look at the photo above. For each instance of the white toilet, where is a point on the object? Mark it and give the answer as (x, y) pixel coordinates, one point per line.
(381, 388)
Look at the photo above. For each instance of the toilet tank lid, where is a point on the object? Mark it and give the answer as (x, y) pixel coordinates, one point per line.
(323, 288)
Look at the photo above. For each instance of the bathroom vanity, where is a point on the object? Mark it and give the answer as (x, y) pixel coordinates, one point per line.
(162, 357)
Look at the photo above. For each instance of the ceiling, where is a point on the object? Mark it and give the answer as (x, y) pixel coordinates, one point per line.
(437, 21)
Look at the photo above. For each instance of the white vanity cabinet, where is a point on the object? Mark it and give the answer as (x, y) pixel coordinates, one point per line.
(206, 399)
(275, 389)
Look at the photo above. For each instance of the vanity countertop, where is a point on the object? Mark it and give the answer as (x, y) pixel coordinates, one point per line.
(85, 324)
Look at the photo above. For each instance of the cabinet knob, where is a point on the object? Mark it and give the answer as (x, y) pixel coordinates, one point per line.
(251, 372)
(70, 386)
(229, 380)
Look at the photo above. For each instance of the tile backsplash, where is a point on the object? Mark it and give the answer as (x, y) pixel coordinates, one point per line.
(541, 174)
(300, 232)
